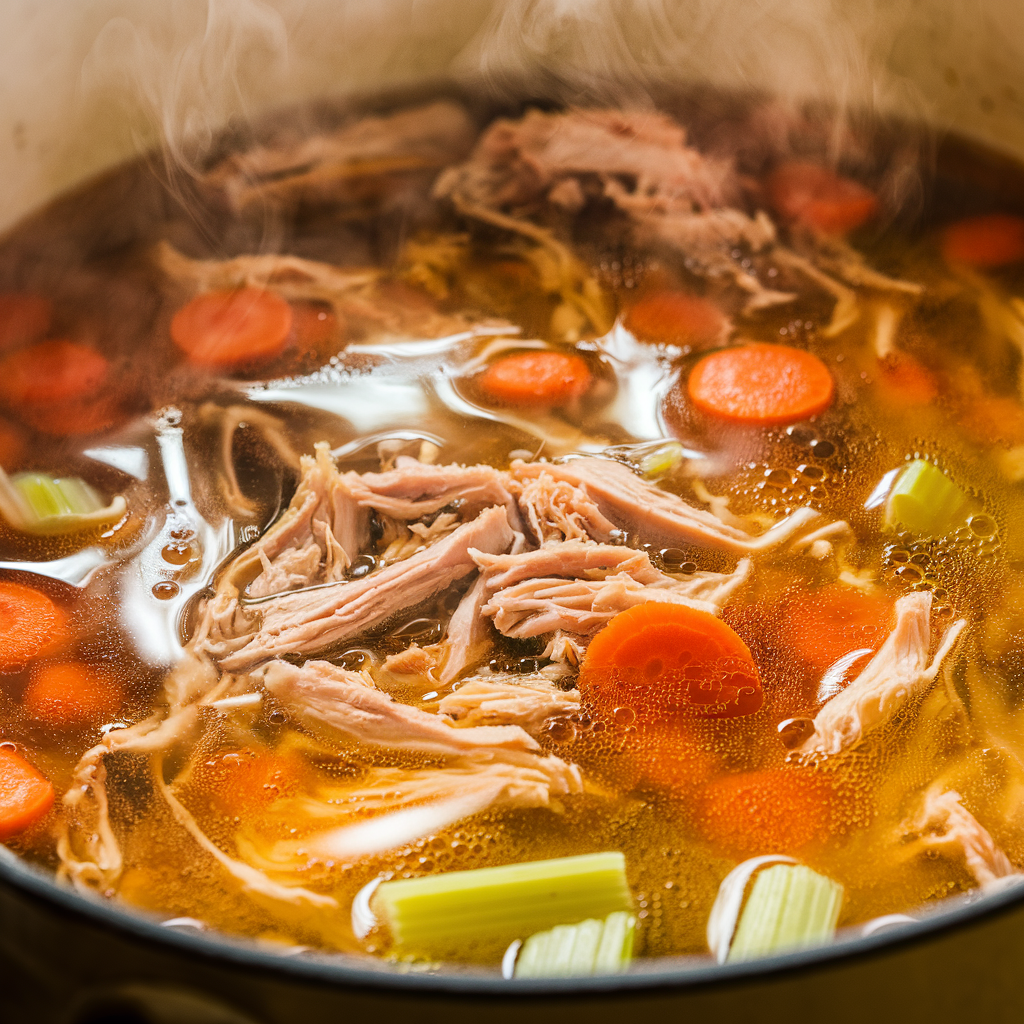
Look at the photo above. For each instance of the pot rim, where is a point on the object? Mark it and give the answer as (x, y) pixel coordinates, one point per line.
(345, 971)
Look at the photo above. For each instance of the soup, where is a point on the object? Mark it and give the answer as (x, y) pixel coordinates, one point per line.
(536, 540)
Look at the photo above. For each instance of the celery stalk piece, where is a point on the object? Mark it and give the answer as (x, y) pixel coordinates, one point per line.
(579, 950)
(789, 907)
(440, 914)
(925, 501)
(39, 503)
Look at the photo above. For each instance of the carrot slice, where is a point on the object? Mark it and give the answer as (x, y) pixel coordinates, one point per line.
(232, 328)
(818, 197)
(12, 444)
(992, 240)
(761, 385)
(29, 623)
(24, 318)
(25, 795)
(675, 318)
(251, 780)
(51, 372)
(88, 416)
(536, 379)
(71, 694)
(775, 810)
(666, 661)
(904, 381)
(313, 324)
(993, 419)
(823, 625)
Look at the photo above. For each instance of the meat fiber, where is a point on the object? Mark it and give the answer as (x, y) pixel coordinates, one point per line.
(333, 701)
(573, 559)
(354, 162)
(900, 671)
(415, 489)
(636, 505)
(518, 165)
(320, 534)
(556, 510)
(944, 824)
(529, 701)
(637, 160)
(306, 621)
(391, 807)
(538, 606)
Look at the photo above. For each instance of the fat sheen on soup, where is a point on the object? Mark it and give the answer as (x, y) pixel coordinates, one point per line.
(542, 540)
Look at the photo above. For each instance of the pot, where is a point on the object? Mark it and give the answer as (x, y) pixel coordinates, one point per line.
(89, 85)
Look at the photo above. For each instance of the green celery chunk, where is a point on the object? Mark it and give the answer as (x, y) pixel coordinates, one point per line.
(579, 950)
(48, 497)
(925, 501)
(789, 907)
(662, 460)
(438, 915)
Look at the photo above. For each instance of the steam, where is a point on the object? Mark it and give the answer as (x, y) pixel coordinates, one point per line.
(176, 74)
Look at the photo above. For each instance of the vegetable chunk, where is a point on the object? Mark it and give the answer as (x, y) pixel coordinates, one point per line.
(25, 794)
(761, 385)
(668, 660)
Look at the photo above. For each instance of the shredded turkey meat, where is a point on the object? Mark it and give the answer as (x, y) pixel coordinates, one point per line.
(943, 824)
(636, 505)
(529, 701)
(352, 163)
(899, 671)
(310, 620)
(637, 160)
(329, 699)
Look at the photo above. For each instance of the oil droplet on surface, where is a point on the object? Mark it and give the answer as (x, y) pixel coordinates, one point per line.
(165, 591)
(177, 554)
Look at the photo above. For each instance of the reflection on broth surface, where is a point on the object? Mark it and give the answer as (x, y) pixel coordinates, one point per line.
(566, 488)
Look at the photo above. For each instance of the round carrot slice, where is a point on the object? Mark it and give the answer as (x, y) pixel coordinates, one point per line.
(66, 419)
(24, 318)
(52, 371)
(992, 240)
(666, 661)
(12, 444)
(25, 795)
(776, 810)
(232, 328)
(536, 379)
(761, 385)
(822, 625)
(675, 318)
(29, 623)
(71, 693)
(818, 197)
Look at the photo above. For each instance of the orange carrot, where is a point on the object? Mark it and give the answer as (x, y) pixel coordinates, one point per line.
(30, 623)
(904, 381)
(25, 795)
(775, 810)
(12, 444)
(313, 324)
(24, 318)
(63, 419)
(672, 757)
(993, 419)
(675, 318)
(232, 328)
(52, 372)
(992, 240)
(536, 379)
(761, 385)
(819, 198)
(666, 662)
(822, 625)
(248, 781)
(70, 694)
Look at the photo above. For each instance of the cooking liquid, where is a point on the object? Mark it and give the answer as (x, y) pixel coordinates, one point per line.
(131, 612)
